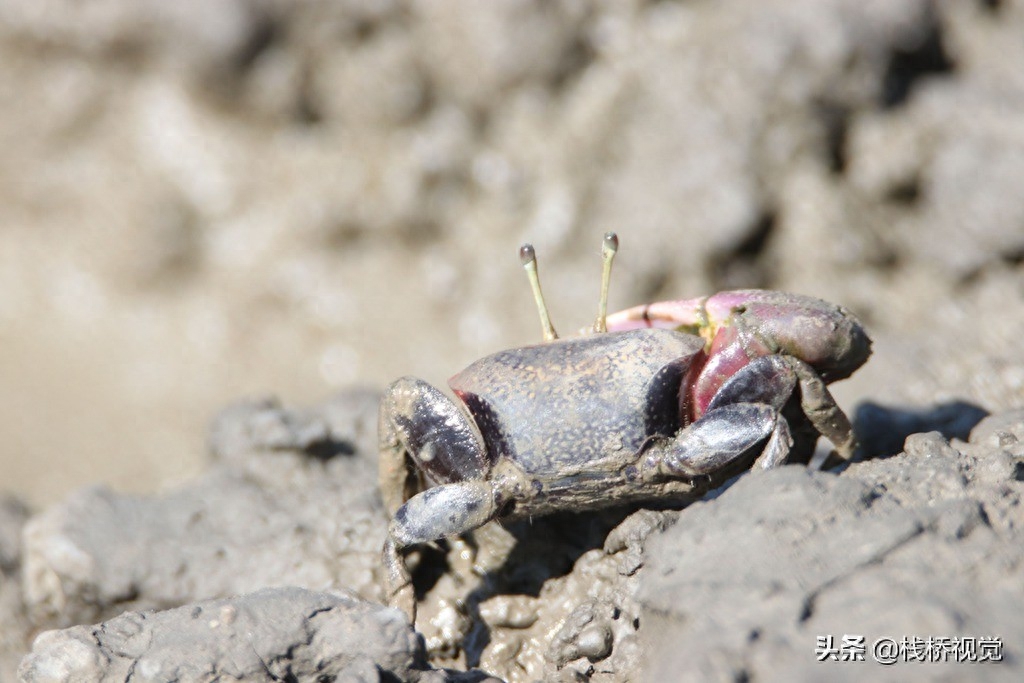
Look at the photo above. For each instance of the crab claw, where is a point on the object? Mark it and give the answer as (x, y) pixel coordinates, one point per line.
(826, 342)
(825, 336)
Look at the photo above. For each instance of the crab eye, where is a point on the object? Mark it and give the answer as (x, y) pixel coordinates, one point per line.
(529, 258)
(608, 249)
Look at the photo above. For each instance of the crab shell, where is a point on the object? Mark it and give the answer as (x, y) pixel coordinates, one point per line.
(570, 406)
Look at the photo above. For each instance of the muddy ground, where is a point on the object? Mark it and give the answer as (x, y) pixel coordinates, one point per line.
(246, 198)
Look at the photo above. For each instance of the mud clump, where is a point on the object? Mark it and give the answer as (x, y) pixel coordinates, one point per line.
(924, 543)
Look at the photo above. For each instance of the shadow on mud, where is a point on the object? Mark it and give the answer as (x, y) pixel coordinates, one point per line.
(883, 429)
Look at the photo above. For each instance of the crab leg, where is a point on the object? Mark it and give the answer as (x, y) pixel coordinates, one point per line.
(398, 590)
(718, 440)
(685, 314)
(418, 422)
(446, 510)
(418, 425)
(772, 379)
(821, 409)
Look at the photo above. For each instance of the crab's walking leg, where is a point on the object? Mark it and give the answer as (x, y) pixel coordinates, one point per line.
(398, 589)
(744, 413)
(822, 410)
(446, 510)
(422, 429)
(417, 421)
(718, 439)
(772, 379)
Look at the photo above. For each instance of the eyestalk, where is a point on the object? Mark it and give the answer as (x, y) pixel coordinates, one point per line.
(529, 259)
(608, 249)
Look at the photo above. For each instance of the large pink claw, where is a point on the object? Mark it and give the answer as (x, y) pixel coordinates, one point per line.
(741, 325)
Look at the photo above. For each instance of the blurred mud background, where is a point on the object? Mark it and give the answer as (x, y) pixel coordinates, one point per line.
(201, 201)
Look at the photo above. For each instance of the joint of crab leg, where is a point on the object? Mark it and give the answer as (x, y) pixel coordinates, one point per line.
(608, 249)
(529, 259)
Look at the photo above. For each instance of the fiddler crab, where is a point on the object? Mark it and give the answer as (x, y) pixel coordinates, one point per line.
(651, 403)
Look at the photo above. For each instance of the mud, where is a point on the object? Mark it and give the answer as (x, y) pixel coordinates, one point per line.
(739, 585)
(247, 198)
